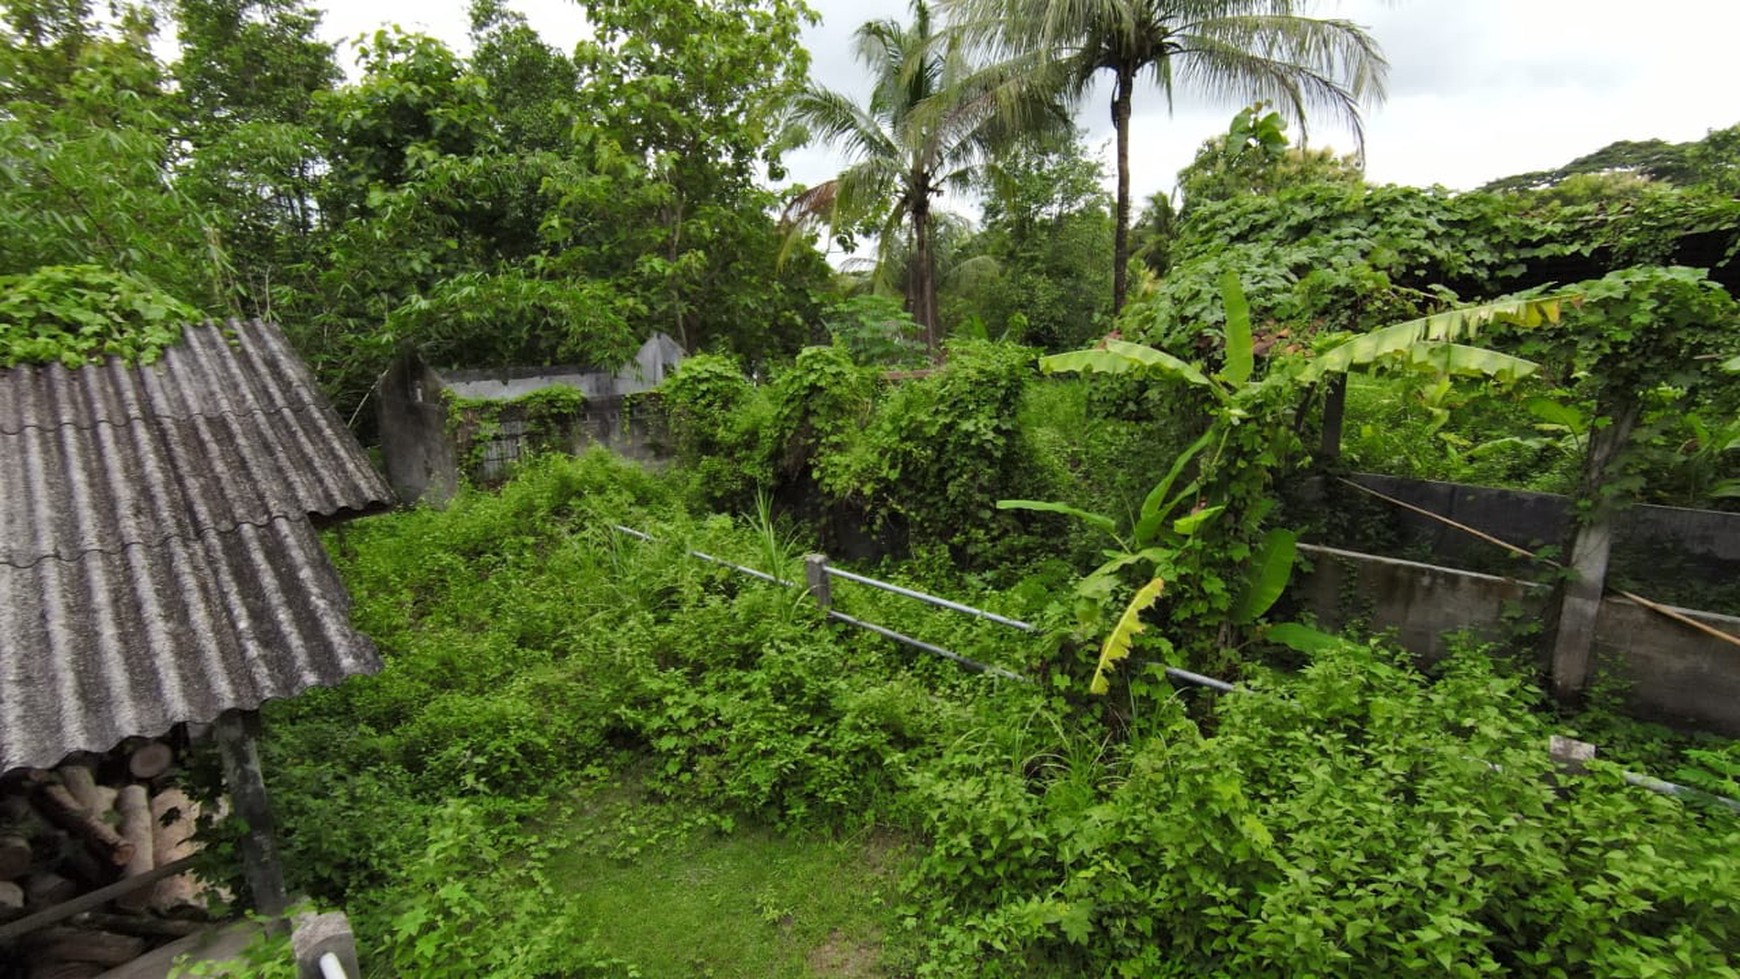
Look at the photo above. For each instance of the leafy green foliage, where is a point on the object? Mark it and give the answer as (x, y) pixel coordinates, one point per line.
(1354, 819)
(876, 331)
(1117, 644)
(80, 314)
(918, 459)
(1254, 158)
(89, 132)
(1047, 225)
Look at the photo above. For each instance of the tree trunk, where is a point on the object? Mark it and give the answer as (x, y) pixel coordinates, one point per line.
(1121, 242)
(1580, 596)
(1334, 409)
(921, 276)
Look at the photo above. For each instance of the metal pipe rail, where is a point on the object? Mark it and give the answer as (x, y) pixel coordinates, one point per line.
(932, 599)
(1653, 784)
(839, 616)
(970, 664)
(741, 569)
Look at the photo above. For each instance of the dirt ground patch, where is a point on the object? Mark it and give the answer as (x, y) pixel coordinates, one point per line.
(840, 956)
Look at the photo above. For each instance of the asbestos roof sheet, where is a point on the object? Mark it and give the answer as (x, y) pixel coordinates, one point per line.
(157, 558)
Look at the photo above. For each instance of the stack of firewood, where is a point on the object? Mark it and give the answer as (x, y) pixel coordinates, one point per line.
(88, 825)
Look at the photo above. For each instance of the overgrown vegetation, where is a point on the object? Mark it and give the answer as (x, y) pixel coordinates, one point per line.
(74, 315)
(573, 721)
(561, 697)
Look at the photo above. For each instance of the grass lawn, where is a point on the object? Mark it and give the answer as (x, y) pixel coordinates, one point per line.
(685, 893)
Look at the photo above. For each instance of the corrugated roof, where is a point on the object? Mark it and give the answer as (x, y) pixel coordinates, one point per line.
(157, 559)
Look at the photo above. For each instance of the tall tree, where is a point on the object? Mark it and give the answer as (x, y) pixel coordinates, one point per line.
(1241, 50)
(932, 120)
(691, 95)
(89, 137)
(1047, 222)
(250, 61)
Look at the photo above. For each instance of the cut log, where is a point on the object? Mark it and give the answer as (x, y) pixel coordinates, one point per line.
(142, 925)
(173, 819)
(104, 805)
(171, 841)
(135, 809)
(79, 945)
(46, 888)
(150, 760)
(81, 781)
(11, 898)
(59, 805)
(14, 856)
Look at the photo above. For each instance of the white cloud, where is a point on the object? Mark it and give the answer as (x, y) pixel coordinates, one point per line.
(1479, 88)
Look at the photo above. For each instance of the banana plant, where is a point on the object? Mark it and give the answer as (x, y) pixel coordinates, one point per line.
(1564, 429)
(1165, 527)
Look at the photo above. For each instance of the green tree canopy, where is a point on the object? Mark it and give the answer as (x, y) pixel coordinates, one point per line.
(1248, 50)
(933, 119)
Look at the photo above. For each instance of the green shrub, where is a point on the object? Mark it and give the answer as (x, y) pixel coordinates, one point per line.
(1353, 820)
(79, 314)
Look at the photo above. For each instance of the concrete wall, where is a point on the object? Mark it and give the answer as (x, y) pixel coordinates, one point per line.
(1661, 552)
(424, 450)
(1676, 674)
(656, 360)
(418, 451)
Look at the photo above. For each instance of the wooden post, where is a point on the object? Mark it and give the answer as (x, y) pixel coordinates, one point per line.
(1334, 407)
(236, 733)
(816, 574)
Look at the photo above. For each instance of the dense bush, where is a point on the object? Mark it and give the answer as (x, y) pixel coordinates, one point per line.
(531, 648)
(920, 458)
(77, 314)
(1355, 818)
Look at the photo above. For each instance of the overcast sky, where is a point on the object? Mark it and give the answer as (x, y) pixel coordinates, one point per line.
(1478, 89)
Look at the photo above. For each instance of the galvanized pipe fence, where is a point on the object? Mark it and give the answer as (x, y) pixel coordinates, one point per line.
(818, 572)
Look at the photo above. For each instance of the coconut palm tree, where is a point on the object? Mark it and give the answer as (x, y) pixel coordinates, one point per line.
(932, 121)
(1232, 50)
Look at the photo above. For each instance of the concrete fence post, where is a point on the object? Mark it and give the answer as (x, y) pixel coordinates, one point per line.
(318, 937)
(816, 575)
(1569, 754)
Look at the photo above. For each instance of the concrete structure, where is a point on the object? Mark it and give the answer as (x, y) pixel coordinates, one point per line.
(1675, 674)
(439, 428)
(1660, 550)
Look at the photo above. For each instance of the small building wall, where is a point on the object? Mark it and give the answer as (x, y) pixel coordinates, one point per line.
(439, 429)
(417, 450)
(1674, 673)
